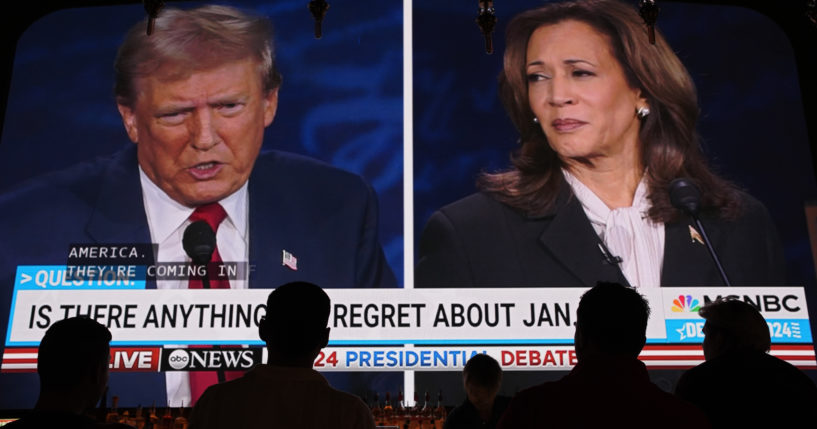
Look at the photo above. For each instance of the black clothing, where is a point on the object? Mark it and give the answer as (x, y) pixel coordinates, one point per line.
(480, 242)
(465, 416)
(751, 389)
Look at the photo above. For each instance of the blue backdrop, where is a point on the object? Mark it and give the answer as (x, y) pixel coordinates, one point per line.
(752, 122)
(341, 101)
(341, 98)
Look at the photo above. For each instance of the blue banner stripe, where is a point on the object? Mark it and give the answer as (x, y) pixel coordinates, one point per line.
(61, 277)
(785, 331)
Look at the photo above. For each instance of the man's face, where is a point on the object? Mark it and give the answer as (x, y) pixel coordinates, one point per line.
(482, 397)
(198, 136)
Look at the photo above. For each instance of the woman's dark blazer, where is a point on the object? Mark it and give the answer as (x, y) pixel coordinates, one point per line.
(480, 242)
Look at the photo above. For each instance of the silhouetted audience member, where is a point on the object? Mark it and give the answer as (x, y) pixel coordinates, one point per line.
(609, 386)
(482, 408)
(740, 385)
(286, 392)
(72, 362)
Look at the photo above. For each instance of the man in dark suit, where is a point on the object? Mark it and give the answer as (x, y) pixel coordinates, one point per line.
(73, 368)
(195, 97)
(740, 384)
(609, 386)
(286, 392)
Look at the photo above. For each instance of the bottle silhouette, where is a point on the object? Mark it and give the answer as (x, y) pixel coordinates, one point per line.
(167, 419)
(113, 415)
(153, 417)
(388, 411)
(377, 412)
(180, 422)
(138, 419)
(440, 413)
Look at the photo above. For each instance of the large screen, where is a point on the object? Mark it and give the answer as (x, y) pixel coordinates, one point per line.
(403, 96)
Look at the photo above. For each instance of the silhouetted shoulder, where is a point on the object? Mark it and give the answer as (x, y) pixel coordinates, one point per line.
(269, 396)
(566, 403)
(777, 393)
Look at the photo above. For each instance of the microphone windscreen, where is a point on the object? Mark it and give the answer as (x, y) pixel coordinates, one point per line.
(684, 195)
(199, 242)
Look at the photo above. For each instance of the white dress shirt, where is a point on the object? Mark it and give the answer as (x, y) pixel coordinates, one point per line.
(627, 232)
(167, 220)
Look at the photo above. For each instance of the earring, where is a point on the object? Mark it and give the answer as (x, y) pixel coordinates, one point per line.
(642, 112)
(535, 120)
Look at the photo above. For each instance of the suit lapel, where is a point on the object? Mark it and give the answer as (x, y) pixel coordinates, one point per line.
(686, 259)
(571, 240)
(119, 214)
(264, 231)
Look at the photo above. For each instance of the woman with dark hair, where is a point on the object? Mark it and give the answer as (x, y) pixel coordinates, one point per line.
(607, 121)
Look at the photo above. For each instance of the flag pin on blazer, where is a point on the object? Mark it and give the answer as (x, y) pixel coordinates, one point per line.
(289, 260)
(694, 235)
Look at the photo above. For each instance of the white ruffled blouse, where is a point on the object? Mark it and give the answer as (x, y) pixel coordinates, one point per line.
(627, 232)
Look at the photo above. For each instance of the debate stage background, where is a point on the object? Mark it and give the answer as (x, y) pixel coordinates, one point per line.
(752, 121)
(342, 102)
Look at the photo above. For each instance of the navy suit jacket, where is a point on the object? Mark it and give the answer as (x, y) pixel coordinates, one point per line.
(480, 242)
(327, 218)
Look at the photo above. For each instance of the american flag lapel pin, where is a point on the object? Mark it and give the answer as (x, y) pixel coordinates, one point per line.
(289, 260)
(695, 236)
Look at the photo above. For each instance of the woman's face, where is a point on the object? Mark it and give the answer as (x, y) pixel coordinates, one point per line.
(579, 94)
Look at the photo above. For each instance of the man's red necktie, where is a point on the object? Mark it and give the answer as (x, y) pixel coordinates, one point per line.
(213, 214)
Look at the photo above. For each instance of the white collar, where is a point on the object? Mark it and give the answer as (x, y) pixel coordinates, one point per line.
(597, 211)
(165, 215)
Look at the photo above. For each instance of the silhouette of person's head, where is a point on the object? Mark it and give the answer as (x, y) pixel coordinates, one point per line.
(482, 378)
(295, 325)
(72, 362)
(611, 321)
(733, 326)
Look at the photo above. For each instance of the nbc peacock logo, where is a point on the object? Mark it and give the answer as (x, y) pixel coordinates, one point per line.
(685, 304)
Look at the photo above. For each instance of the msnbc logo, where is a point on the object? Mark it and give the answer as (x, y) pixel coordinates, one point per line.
(685, 304)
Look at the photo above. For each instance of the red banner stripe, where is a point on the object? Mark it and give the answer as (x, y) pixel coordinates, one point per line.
(21, 349)
(792, 347)
(670, 357)
(795, 357)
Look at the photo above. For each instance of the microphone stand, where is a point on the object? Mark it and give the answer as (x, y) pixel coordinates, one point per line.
(205, 278)
(205, 284)
(711, 250)
(199, 242)
(686, 196)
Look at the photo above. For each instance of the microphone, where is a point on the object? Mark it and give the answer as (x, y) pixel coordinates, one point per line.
(685, 196)
(608, 257)
(199, 242)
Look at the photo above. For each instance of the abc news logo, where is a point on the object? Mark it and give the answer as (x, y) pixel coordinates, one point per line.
(211, 359)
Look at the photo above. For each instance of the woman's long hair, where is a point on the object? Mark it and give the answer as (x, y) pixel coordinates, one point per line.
(670, 146)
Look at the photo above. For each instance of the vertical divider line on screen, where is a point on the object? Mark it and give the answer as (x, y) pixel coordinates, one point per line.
(408, 172)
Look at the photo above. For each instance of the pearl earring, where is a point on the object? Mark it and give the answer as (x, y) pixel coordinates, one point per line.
(642, 112)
